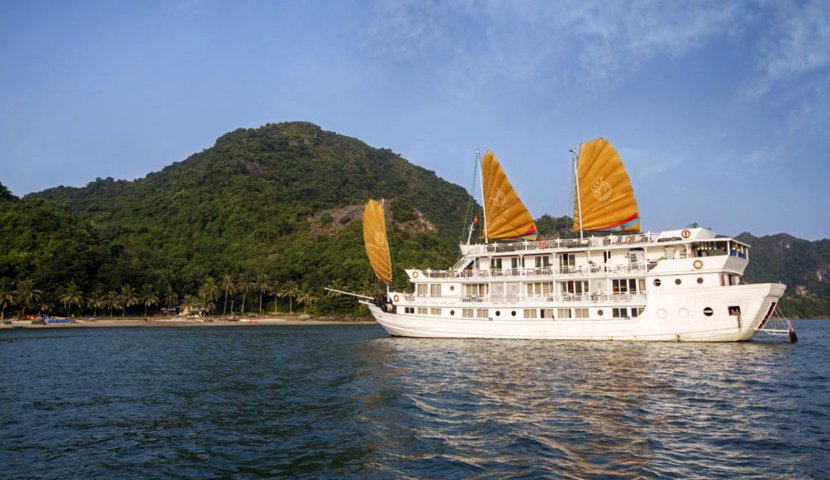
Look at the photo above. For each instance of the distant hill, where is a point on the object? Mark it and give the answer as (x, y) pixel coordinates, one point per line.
(283, 199)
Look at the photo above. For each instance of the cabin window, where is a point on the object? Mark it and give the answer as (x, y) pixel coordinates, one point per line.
(606, 256)
(481, 313)
(513, 313)
(531, 313)
(467, 312)
(498, 313)
(580, 313)
(422, 289)
(475, 289)
(700, 280)
(599, 312)
(435, 311)
(564, 313)
(567, 259)
(735, 310)
(537, 289)
(495, 264)
(435, 290)
(708, 311)
(677, 281)
(452, 312)
(514, 263)
(635, 312)
(546, 313)
(619, 312)
(624, 285)
(409, 310)
(542, 261)
(423, 311)
(657, 282)
(513, 289)
(575, 287)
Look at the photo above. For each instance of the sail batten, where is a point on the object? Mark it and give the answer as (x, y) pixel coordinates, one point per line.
(505, 214)
(604, 196)
(376, 241)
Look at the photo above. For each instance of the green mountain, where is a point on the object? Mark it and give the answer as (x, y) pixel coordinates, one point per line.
(283, 200)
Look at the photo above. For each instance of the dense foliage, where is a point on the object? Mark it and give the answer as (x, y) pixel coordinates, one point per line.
(248, 207)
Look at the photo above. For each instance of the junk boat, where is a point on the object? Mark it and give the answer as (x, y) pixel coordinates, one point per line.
(679, 285)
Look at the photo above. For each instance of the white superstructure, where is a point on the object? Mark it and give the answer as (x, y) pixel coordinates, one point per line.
(679, 285)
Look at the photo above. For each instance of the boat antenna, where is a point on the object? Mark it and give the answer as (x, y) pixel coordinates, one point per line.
(578, 196)
(471, 212)
(483, 202)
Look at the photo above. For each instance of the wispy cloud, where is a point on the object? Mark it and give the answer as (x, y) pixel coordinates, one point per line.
(799, 42)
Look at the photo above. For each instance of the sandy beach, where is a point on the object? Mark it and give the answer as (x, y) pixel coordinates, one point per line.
(186, 322)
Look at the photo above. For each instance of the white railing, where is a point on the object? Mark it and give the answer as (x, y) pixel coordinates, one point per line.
(530, 299)
(562, 243)
(581, 270)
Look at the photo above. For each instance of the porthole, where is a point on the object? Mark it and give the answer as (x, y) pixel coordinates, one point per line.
(452, 312)
(677, 281)
(599, 312)
(498, 313)
(700, 280)
(708, 311)
(513, 313)
(657, 282)
(452, 288)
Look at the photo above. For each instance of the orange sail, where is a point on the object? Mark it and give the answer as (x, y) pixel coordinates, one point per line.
(603, 192)
(377, 245)
(505, 214)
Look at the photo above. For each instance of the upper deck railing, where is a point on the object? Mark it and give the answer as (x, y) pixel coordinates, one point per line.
(564, 243)
(588, 298)
(580, 270)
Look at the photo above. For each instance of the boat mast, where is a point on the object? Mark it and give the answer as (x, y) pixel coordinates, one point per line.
(483, 202)
(578, 196)
(383, 209)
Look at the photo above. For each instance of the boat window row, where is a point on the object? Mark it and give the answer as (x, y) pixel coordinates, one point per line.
(530, 313)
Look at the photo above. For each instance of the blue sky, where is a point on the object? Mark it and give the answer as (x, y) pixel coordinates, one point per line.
(720, 110)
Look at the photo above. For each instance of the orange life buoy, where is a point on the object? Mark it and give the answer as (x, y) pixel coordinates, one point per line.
(542, 245)
(395, 298)
(414, 274)
(698, 264)
(685, 234)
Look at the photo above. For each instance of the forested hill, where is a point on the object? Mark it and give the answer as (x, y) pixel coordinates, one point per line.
(282, 200)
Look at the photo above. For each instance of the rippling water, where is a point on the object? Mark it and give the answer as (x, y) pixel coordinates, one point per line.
(351, 402)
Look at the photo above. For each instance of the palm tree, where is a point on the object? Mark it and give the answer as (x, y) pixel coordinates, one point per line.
(71, 296)
(27, 294)
(306, 298)
(127, 299)
(262, 285)
(6, 297)
(111, 301)
(96, 300)
(209, 293)
(171, 298)
(148, 297)
(229, 287)
(244, 286)
(276, 291)
(290, 290)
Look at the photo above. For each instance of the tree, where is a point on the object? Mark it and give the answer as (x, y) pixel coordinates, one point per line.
(306, 298)
(27, 295)
(290, 289)
(96, 300)
(262, 285)
(171, 298)
(71, 296)
(276, 291)
(244, 286)
(126, 299)
(209, 293)
(6, 297)
(229, 287)
(148, 297)
(111, 301)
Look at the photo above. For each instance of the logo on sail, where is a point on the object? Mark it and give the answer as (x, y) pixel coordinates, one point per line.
(498, 198)
(601, 190)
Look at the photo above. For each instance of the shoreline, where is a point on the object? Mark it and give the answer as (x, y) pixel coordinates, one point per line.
(181, 322)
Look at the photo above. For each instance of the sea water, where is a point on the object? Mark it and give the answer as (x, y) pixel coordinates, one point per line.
(351, 402)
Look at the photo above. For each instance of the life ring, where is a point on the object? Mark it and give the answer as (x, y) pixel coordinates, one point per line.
(698, 264)
(414, 274)
(542, 245)
(396, 298)
(685, 234)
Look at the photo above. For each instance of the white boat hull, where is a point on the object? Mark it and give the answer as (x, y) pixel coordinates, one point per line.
(676, 317)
